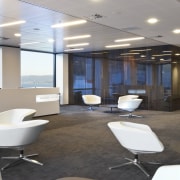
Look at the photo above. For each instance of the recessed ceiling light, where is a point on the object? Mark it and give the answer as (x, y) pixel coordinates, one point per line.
(51, 40)
(177, 54)
(80, 44)
(77, 37)
(12, 23)
(129, 39)
(71, 23)
(176, 31)
(152, 20)
(17, 34)
(117, 45)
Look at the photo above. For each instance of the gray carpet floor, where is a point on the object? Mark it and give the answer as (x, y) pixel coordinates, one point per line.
(78, 143)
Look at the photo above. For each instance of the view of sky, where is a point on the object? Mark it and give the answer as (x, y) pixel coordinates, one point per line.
(33, 63)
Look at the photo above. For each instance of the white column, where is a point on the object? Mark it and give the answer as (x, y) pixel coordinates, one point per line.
(10, 68)
(62, 77)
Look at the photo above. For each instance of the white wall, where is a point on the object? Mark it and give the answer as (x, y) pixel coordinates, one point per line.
(10, 64)
(62, 77)
(1, 68)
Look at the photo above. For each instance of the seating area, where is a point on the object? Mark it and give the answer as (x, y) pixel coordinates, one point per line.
(79, 144)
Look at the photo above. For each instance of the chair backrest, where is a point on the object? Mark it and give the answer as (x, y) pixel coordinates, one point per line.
(21, 134)
(129, 105)
(128, 97)
(91, 99)
(167, 172)
(16, 115)
(136, 137)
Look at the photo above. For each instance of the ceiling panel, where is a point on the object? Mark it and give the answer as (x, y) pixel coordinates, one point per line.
(120, 19)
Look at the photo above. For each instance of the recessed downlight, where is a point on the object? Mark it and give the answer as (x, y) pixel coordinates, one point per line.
(152, 20)
(50, 40)
(17, 34)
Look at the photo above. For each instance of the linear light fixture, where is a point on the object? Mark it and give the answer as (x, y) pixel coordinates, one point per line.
(117, 45)
(157, 55)
(140, 50)
(71, 23)
(75, 49)
(22, 44)
(176, 31)
(12, 23)
(77, 37)
(80, 44)
(130, 53)
(99, 52)
(129, 39)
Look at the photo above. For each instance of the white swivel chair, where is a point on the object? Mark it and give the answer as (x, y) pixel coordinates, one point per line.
(136, 138)
(16, 131)
(18, 136)
(91, 100)
(16, 115)
(168, 172)
(129, 105)
(128, 97)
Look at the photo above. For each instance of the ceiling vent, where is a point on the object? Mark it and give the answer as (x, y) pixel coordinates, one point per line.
(95, 16)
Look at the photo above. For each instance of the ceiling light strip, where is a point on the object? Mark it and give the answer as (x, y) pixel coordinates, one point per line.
(71, 23)
(12, 23)
(80, 44)
(117, 45)
(77, 37)
(129, 39)
(22, 44)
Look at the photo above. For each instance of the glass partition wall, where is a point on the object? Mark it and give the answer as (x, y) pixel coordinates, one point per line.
(110, 74)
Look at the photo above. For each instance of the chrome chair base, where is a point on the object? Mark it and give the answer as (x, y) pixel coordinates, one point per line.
(90, 108)
(130, 115)
(19, 159)
(135, 162)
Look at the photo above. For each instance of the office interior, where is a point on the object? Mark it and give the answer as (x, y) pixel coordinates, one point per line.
(149, 67)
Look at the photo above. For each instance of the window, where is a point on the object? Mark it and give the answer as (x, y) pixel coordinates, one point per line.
(36, 69)
(141, 74)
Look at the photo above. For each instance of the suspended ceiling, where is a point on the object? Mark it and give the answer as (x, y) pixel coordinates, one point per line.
(106, 21)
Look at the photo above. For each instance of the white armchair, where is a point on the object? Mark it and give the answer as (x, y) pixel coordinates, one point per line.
(129, 105)
(18, 136)
(17, 130)
(168, 172)
(16, 115)
(127, 97)
(136, 138)
(91, 100)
